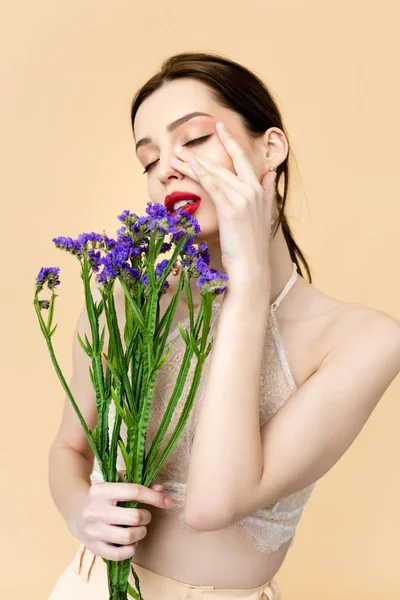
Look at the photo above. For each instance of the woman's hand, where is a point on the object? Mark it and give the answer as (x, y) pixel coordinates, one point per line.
(243, 207)
(112, 531)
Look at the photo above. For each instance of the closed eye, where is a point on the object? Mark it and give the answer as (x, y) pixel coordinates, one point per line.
(191, 143)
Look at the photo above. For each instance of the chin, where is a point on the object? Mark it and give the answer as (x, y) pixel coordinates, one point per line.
(209, 230)
(207, 234)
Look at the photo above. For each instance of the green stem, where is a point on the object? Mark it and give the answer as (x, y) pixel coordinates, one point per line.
(65, 385)
(118, 351)
(153, 469)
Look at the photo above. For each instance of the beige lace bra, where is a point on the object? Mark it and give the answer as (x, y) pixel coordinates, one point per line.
(273, 524)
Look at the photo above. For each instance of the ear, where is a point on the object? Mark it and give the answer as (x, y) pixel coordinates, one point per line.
(275, 147)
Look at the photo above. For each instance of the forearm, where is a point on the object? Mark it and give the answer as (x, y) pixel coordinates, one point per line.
(226, 458)
(69, 482)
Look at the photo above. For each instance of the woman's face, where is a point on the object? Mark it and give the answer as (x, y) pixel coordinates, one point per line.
(173, 101)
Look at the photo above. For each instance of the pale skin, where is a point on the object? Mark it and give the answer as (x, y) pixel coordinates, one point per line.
(343, 355)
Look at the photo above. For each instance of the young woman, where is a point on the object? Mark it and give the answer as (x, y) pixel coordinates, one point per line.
(291, 380)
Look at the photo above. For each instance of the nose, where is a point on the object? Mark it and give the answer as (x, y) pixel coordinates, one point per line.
(165, 169)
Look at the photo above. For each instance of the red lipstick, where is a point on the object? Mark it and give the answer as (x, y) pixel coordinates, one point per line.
(179, 196)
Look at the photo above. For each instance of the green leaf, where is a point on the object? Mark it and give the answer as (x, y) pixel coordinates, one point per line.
(102, 338)
(132, 592)
(53, 331)
(164, 358)
(99, 307)
(137, 315)
(183, 333)
(127, 458)
(92, 377)
(86, 349)
(194, 345)
(125, 416)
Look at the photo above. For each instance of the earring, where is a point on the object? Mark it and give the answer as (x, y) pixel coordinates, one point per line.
(176, 269)
(271, 169)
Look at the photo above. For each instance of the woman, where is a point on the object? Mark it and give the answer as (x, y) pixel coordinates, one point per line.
(291, 380)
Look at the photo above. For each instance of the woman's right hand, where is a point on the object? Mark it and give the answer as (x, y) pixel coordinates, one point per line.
(99, 521)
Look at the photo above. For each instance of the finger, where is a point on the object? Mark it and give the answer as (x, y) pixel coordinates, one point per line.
(241, 161)
(110, 552)
(131, 517)
(122, 535)
(157, 486)
(184, 168)
(223, 175)
(210, 184)
(114, 492)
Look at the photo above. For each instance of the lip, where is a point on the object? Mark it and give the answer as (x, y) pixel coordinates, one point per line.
(176, 197)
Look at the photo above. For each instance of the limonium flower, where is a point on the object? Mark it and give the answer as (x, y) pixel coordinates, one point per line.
(47, 276)
(126, 371)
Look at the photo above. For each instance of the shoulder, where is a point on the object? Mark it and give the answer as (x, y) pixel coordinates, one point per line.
(323, 328)
(343, 321)
(363, 342)
(358, 324)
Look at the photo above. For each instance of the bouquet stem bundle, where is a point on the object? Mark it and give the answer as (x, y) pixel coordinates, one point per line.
(126, 373)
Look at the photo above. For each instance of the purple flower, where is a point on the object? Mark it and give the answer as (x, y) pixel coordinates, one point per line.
(44, 304)
(122, 231)
(161, 266)
(201, 265)
(188, 223)
(126, 216)
(68, 244)
(134, 273)
(165, 247)
(49, 276)
(160, 218)
(203, 251)
(157, 211)
(94, 259)
(94, 238)
(212, 281)
(140, 224)
(109, 242)
(115, 262)
(189, 249)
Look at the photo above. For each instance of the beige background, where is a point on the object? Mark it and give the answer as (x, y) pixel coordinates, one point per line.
(68, 73)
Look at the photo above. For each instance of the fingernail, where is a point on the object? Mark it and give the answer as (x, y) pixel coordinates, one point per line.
(221, 126)
(168, 501)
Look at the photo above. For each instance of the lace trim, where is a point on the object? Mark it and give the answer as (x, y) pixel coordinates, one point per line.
(280, 346)
(269, 527)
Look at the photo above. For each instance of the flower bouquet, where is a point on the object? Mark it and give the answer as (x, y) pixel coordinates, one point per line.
(125, 372)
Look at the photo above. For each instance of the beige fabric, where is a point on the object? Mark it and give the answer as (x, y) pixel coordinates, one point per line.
(272, 525)
(85, 578)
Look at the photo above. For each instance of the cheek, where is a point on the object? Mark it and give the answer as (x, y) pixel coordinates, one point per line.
(222, 158)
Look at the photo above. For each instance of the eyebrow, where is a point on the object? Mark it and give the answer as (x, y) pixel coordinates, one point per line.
(174, 125)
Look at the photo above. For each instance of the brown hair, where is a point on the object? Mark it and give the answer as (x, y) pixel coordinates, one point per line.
(235, 87)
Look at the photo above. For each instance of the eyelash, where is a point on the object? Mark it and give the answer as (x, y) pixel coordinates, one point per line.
(192, 142)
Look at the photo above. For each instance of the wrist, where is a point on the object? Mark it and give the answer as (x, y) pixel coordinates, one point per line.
(250, 285)
(253, 298)
(74, 519)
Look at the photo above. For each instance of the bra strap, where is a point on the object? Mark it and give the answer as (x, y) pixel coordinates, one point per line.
(275, 305)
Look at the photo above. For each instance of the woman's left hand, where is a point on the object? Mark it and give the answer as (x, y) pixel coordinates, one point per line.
(243, 208)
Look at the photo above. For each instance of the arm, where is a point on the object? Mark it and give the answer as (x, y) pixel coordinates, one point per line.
(304, 439)
(226, 455)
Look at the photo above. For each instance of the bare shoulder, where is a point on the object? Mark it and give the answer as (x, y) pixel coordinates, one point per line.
(319, 328)
(361, 337)
(360, 324)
